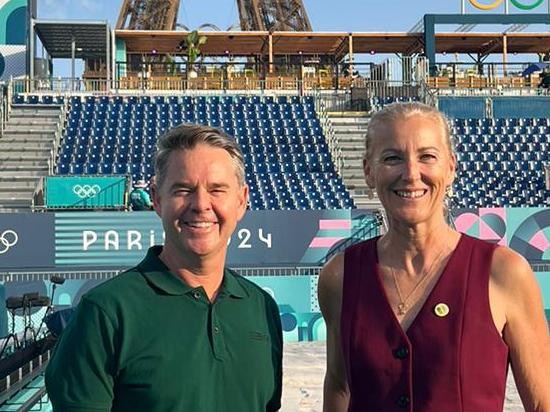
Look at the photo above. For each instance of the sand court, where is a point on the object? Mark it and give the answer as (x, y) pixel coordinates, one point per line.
(304, 369)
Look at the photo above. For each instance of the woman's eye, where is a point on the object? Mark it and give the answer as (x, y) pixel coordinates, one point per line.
(428, 156)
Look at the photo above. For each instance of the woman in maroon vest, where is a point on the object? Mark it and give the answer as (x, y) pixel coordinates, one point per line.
(424, 318)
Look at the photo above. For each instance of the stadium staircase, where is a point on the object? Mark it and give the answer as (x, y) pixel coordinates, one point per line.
(26, 152)
(350, 129)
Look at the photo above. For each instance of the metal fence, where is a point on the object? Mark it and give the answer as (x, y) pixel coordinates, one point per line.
(4, 106)
(474, 78)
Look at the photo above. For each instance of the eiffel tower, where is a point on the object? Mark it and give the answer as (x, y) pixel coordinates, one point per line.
(148, 15)
(273, 15)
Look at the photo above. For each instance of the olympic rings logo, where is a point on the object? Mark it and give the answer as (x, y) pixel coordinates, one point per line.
(8, 238)
(497, 3)
(86, 191)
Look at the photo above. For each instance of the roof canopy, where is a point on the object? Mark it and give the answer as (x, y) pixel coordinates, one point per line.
(335, 44)
(91, 37)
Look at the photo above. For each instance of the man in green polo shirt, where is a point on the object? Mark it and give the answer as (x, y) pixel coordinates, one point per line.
(179, 332)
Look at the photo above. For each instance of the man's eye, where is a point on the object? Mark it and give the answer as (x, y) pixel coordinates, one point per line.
(391, 158)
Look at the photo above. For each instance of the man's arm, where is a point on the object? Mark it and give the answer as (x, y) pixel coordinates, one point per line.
(146, 199)
(336, 391)
(276, 331)
(525, 331)
(80, 375)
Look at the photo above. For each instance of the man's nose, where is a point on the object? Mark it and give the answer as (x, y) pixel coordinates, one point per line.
(201, 200)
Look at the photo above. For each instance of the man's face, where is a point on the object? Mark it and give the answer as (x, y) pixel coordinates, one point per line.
(199, 202)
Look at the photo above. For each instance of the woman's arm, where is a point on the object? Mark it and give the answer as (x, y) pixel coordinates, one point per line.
(516, 295)
(336, 391)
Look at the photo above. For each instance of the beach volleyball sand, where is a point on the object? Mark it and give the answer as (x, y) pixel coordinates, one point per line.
(304, 370)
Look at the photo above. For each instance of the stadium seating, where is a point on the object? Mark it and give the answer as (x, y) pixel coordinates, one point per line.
(501, 162)
(288, 164)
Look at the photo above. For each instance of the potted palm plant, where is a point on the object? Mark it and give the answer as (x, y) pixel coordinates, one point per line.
(193, 41)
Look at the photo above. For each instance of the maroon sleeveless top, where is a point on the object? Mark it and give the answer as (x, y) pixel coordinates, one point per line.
(451, 363)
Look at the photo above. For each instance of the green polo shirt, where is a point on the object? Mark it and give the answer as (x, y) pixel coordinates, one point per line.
(146, 341)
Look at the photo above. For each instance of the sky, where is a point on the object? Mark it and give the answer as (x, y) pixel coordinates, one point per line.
(324, 15)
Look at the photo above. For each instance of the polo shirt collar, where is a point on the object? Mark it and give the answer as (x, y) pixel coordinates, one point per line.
(158, 274)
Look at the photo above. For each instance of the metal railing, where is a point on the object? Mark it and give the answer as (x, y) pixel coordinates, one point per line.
(335, 148)
(4, 107)
(468, 79)
(19, 372)
(285, 270)
(369, 227)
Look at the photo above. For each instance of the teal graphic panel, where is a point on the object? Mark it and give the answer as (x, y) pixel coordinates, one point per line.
(86, 191)
(105, 239)
(297, 300)
(119, 240)
(13, 22)
(544, 282)
(526, 230)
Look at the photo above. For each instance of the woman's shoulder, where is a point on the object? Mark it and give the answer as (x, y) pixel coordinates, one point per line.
(509, 268)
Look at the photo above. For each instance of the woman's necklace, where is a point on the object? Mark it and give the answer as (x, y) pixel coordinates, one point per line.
(402, 306)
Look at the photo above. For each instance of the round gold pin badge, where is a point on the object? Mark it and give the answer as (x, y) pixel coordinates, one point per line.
(441, 310)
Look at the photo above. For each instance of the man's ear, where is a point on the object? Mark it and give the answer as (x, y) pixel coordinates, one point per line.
(243, 201)
(155, 196)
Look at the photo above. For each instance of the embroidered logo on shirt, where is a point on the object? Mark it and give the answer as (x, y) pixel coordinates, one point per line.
(253, 335)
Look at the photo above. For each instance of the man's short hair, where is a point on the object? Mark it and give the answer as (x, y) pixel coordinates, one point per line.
(187, 137)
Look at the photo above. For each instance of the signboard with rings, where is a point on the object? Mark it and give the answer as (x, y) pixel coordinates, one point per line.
(26, 241)
(525, 5)
(81, 192)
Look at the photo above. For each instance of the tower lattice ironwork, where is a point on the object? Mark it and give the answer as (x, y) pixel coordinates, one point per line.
(148, 15)
(273, 15)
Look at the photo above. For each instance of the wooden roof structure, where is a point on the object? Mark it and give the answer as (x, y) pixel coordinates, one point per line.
(336, 44)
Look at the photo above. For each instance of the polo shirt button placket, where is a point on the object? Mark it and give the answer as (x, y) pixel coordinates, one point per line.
(403, 401)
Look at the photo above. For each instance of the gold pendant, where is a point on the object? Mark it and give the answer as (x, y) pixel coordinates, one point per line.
(401, 308)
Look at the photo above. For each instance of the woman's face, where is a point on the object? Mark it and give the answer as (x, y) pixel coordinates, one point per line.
(411, 165)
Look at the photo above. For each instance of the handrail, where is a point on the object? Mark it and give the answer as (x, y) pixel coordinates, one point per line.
(364, 87)
(368, 229)
(61, 123)
(488, 91)
(335, 148)
(4, 107)
(426, 94)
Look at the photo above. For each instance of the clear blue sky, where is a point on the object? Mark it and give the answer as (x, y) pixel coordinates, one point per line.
(325, 15)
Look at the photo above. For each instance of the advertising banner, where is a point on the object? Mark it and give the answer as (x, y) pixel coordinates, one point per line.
(26, 241)
(104, 192)
(524, 229)
(119, 240)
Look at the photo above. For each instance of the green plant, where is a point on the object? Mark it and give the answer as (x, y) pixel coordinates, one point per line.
(193, 41)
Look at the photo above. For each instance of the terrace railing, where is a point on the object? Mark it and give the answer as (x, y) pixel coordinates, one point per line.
(335, 148)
